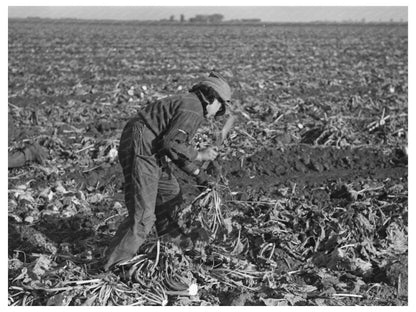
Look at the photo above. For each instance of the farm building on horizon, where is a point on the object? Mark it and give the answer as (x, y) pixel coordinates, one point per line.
(212, 18)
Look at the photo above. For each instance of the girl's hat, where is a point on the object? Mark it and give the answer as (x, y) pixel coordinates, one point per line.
(218, 83)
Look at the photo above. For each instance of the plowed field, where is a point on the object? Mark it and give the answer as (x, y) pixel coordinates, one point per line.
(310, 203)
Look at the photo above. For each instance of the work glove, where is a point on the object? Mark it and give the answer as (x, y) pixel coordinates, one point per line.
(214, 169)
(203, 179)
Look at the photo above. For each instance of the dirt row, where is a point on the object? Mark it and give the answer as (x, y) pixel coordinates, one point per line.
(306, 167)
(265, 172)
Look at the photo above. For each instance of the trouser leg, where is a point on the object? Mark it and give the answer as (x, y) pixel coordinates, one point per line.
(141, 174)
(169, 199)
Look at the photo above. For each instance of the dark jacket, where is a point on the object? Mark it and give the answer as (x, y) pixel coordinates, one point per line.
(174, 121)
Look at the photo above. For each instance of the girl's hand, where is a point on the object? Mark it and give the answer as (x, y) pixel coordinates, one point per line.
(209, 153)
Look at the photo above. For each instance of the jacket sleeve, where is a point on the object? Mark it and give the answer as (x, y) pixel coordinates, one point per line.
(175, 142)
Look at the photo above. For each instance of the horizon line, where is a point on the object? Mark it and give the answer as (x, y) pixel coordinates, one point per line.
(241, 20)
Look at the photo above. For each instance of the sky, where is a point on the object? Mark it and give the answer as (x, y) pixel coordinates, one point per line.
(263, 10)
